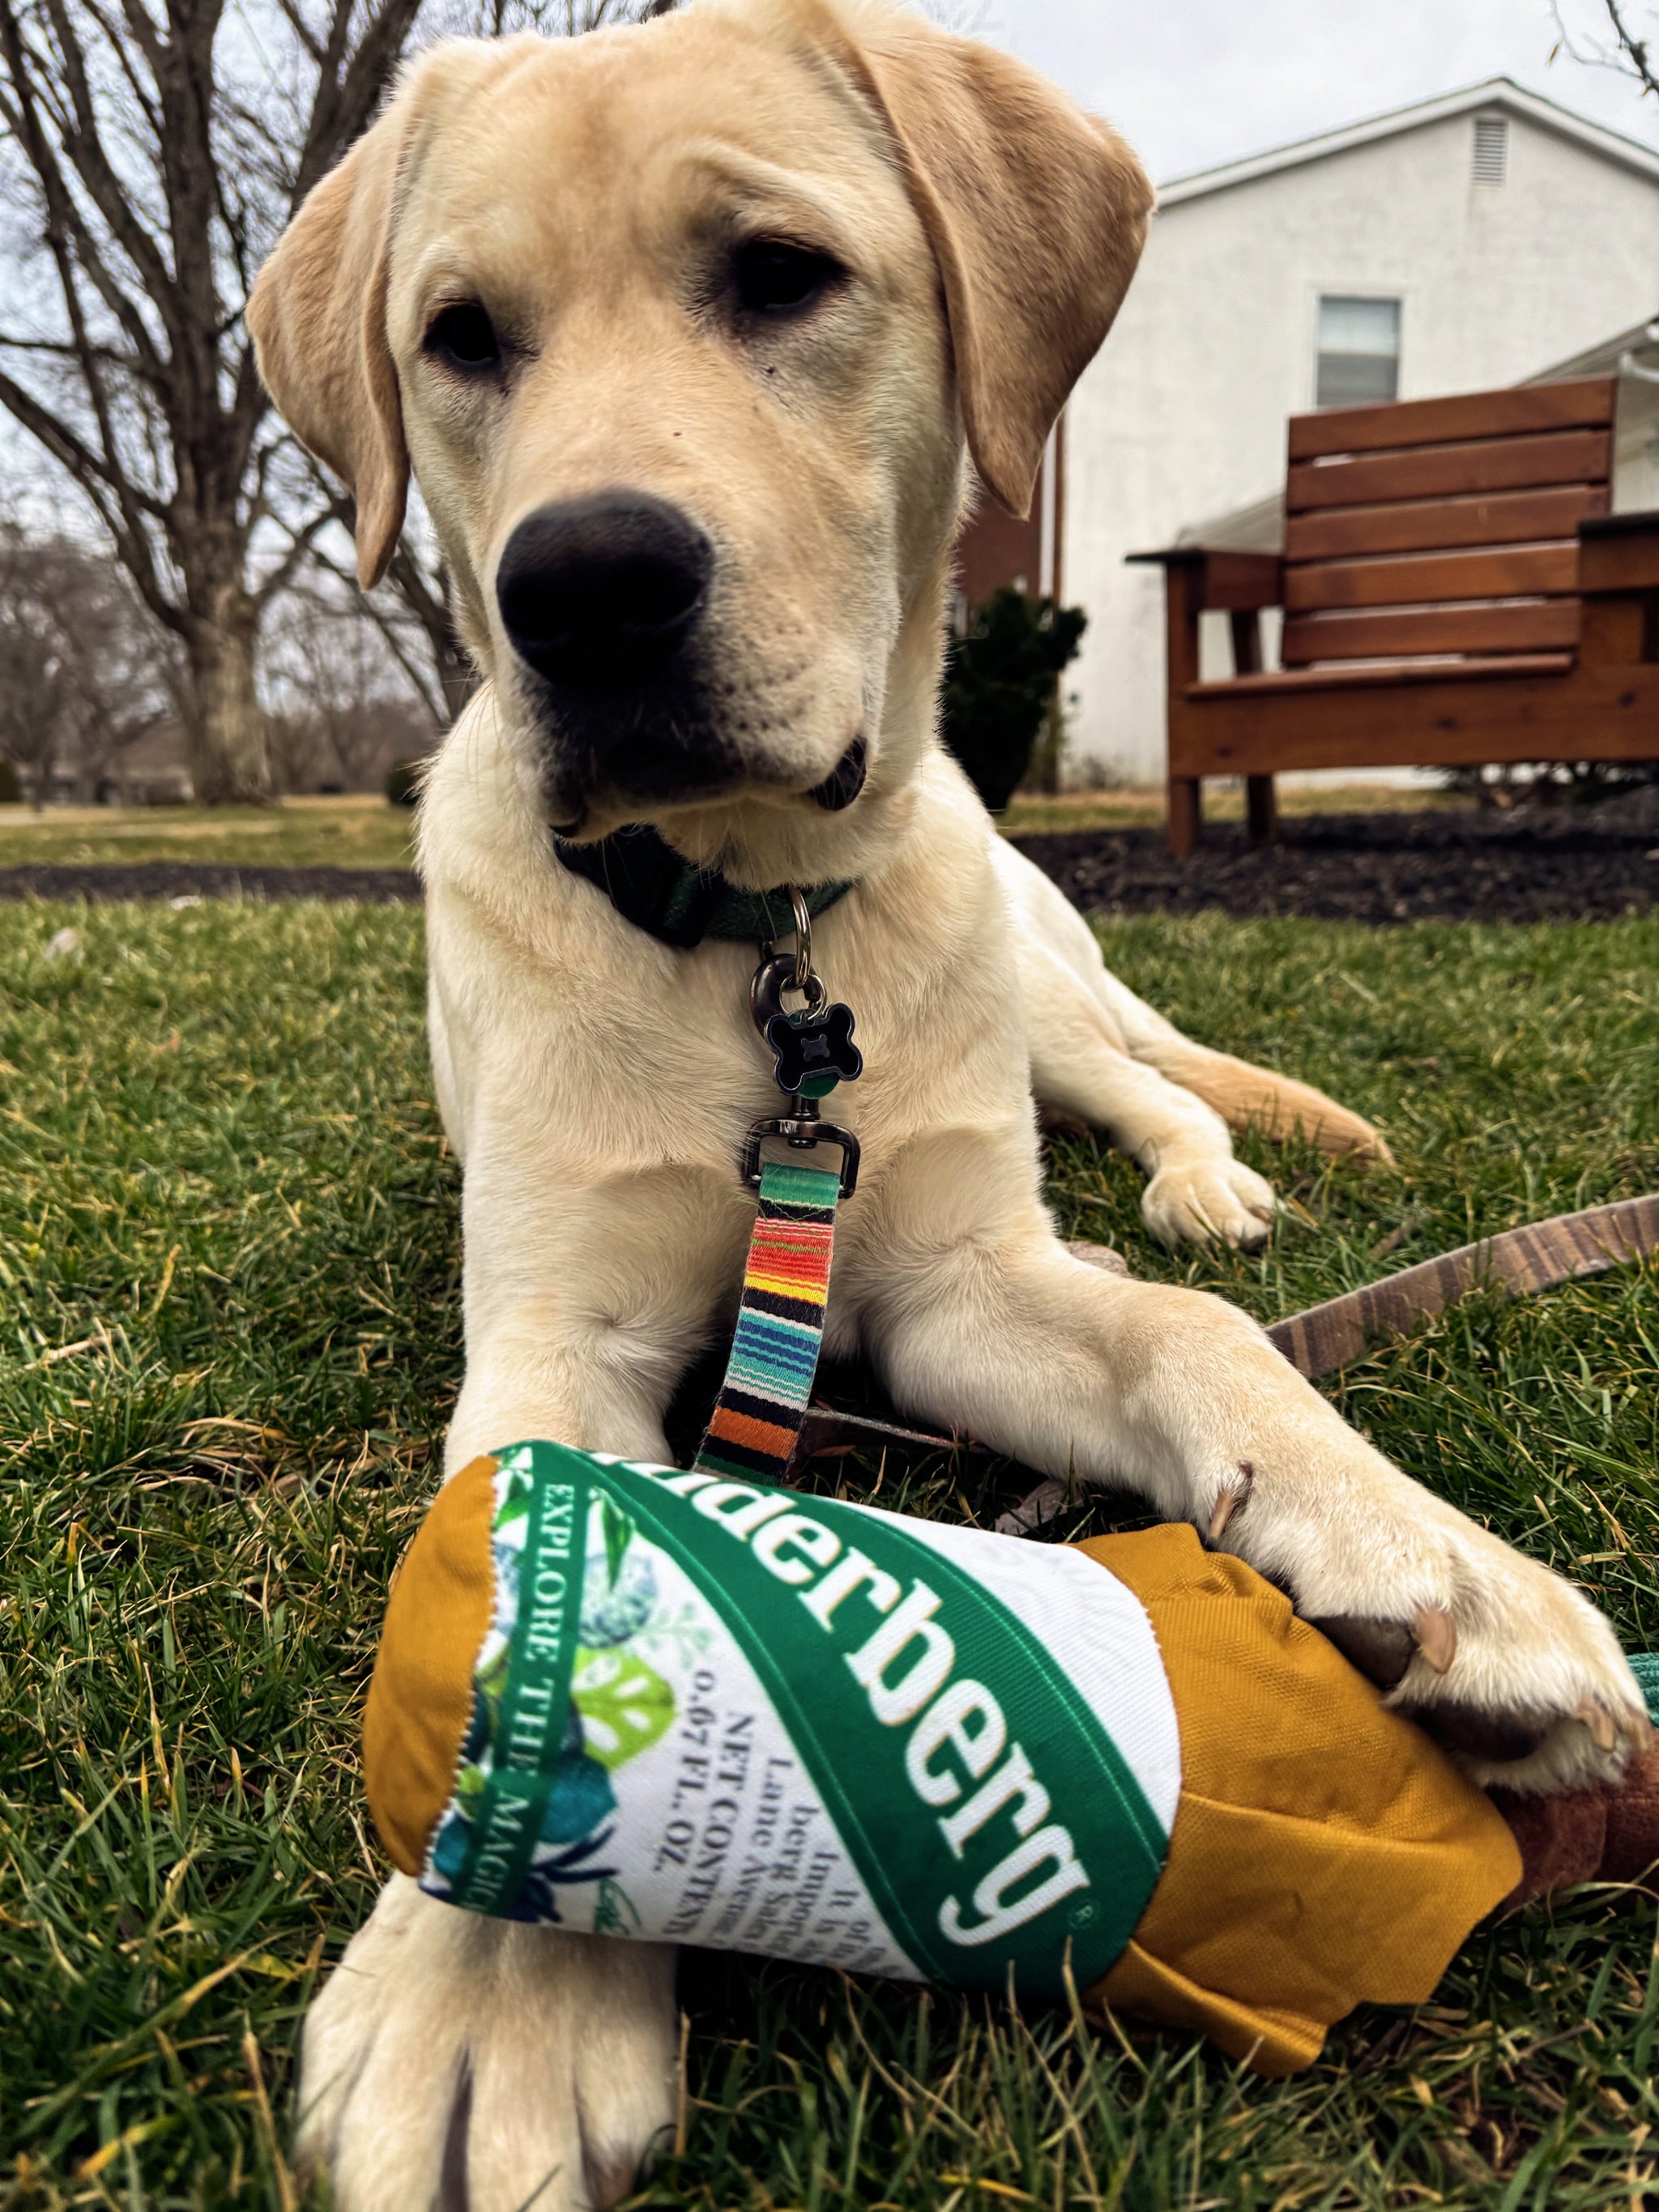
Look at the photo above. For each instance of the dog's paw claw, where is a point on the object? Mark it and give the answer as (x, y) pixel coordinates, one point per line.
(1629, 1728)
(1201, 1201)
(1604, 1730)
(1236, 1494)
(1382, 1651)
(1436, 1637)
(454, 2194)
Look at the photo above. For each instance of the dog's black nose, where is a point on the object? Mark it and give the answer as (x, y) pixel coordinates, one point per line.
(602, 592)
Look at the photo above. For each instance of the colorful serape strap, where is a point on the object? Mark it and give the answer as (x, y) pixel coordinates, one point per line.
(775, 1353)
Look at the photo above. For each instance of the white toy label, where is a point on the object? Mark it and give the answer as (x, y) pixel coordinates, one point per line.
(712, 1712)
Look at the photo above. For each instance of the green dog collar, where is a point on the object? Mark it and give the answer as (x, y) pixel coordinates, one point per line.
(676, 902)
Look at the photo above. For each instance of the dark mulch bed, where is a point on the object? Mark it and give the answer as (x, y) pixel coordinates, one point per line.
(1566, 864)
(1545, 866)
(174, 879)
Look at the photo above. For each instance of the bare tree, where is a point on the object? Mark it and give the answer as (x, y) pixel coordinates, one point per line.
(413, 609)
(150, 151)
(85, 670)
(1638, 53)
(345, 709)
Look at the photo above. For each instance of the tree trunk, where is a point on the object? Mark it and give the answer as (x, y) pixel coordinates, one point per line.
(224, 727)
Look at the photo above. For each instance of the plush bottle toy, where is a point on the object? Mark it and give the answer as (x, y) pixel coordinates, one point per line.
(677, 1707)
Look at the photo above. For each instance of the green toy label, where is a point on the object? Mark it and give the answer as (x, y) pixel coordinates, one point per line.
(713, 1712)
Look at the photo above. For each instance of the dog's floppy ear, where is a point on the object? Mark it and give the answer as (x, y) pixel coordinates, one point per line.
(318, 311)
(1036, 213)
(317, 316)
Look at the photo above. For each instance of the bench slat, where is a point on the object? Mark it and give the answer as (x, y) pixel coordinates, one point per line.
(1506, 667)
(1502, 519)
(1495, 464)
(1435, 716)
(1535, 629)
(1586, 403)
(1531, 572)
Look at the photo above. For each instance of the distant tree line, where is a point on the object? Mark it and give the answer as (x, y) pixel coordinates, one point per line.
(92, 686)
(84, 671)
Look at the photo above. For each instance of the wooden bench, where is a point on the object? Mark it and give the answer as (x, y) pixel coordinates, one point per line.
(1455, 590)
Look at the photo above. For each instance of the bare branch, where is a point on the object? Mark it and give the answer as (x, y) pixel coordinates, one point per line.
(62, 351)
(294, 16)
(1629, 55)
(299, 544)
(350, 86)
(93, 478)
(71, 241)
(1638, 53)
(84, 146)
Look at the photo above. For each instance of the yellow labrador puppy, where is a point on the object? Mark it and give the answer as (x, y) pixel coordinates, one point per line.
(688, 333)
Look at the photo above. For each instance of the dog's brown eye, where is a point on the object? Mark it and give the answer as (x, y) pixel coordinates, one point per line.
(465, 337)
(773, 277)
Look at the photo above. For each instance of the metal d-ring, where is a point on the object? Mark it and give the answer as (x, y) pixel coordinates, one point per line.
(803, 1132)
(802, 937)
(775, 976)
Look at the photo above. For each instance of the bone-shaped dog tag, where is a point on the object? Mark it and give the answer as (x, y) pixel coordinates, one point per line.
(814, 1052)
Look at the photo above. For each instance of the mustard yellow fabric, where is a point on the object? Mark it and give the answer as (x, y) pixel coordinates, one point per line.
(421, 1697)
(1324, 1853)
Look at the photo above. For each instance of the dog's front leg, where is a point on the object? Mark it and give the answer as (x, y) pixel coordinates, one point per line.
(1196, 1190)
(989, 1322)
(453, 2061)
(472, 2065)
(456, 2060)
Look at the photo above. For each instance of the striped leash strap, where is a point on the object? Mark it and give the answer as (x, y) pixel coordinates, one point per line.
(757, 1417)
(775, 1353)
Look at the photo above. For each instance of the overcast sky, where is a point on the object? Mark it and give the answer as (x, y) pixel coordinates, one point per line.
(1194, 83)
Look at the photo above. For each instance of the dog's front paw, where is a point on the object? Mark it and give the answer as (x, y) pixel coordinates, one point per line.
(1522, 1680)
(1503, 1662)
(459, 2062)
(1197, 1201)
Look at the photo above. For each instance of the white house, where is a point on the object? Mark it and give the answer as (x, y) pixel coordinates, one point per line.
(1487, 238)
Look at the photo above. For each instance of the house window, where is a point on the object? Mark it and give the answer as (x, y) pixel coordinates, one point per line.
(1491, 149)
(1358, 352)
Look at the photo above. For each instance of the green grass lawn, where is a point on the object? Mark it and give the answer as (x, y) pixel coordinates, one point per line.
(228, 1264)
(353, 832)
(361, 831)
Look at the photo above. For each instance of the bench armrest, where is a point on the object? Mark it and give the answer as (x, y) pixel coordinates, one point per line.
(1222, 576)
(1618, 552)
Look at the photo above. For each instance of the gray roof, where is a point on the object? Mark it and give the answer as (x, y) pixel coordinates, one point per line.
(1641, 340)
(1497, 96)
